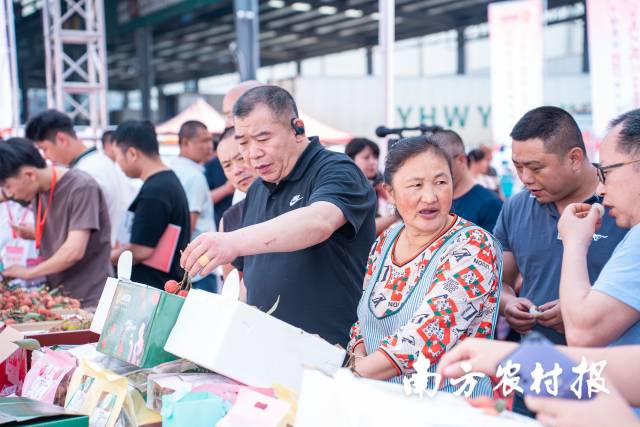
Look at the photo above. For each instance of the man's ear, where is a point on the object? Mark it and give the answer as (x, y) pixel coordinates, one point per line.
(29, 173)
(576, 157)
(132, 154)
(61, 139)
(298, 128)
(389, 190)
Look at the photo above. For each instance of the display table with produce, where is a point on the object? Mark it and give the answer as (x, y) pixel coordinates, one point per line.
(184, 358)
(18, 305)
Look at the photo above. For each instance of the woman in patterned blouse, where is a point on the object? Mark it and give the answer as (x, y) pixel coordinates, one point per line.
(431, 281)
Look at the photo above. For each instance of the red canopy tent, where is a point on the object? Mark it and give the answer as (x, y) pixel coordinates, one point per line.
(202, 111)
(328, 134)
(199, 110)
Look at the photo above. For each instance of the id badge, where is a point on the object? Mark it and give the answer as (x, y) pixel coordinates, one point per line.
(14, 254)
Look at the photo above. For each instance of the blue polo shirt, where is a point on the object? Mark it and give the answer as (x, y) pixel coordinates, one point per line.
(319, 287)
(529, 230)
(479, 205)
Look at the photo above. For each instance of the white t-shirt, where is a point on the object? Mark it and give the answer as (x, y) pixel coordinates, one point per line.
(115, 187)
(238, 196)
(14, 212)
(191, 176)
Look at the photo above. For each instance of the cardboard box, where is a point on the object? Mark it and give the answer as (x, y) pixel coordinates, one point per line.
(159, 385)
(246, 344)
(13, 362)
(33, 328)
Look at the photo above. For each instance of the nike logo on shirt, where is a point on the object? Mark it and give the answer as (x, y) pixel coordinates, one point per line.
(295, 199)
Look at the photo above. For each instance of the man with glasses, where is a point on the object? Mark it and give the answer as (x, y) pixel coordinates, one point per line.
(471, 200)
(551, 161)
(609, 312)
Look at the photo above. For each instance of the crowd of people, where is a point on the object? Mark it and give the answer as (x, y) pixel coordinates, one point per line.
(424, 260)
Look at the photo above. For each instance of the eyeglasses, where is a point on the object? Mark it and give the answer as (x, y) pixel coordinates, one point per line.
(602, 169)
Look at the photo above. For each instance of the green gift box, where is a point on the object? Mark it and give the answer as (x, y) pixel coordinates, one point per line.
(21, 411)
(139, 322)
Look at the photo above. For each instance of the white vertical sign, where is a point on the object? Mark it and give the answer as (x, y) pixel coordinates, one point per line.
(614, 54)
(8, 70)
(515, 40)
(386, 40)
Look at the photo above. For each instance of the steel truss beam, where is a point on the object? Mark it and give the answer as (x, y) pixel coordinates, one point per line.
(76, 60)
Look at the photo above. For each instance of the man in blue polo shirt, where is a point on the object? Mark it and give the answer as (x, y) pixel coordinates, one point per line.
(550, 158)
(309, 221)
(608, 313)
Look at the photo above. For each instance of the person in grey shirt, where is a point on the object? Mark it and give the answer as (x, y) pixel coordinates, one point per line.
(550, 158)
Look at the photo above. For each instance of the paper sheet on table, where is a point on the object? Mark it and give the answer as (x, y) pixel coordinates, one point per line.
(343, 400)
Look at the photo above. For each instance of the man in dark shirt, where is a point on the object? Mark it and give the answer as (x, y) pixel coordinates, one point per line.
(221, 189)
(471, 200)
(309, 221)
(160, 202)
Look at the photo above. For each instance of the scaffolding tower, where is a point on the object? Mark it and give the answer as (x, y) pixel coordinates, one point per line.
(76, 60)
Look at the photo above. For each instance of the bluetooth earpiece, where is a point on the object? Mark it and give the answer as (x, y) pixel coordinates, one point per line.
(298, 129)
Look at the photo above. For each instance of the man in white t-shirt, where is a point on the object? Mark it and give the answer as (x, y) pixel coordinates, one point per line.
(53, 133)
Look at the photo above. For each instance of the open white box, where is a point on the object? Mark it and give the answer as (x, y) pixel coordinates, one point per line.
(125, 264)
(241, 342)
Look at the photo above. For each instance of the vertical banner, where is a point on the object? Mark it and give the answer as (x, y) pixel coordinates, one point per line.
(614, 55)
(8, 71)
(515, 40)
(386, 42)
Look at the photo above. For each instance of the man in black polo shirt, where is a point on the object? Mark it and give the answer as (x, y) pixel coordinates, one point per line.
(309, 221)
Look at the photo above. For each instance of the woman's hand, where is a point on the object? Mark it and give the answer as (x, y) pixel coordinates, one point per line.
(605, 410)
(360, 350)
(376, 366)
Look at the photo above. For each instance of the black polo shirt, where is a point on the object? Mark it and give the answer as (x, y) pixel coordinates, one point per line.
(319, 287)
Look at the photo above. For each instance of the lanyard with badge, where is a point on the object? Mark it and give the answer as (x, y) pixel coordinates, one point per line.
(25, 212)
(41, 217)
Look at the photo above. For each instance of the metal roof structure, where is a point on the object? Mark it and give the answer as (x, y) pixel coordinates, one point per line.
(191, 38)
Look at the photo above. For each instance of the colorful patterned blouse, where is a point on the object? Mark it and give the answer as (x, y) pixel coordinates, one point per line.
(460, 302)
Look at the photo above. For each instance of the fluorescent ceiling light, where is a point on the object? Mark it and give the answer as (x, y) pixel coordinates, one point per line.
(301, 7)
(353, 13)
(375, 16)
(276, 4)
(327, 10)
